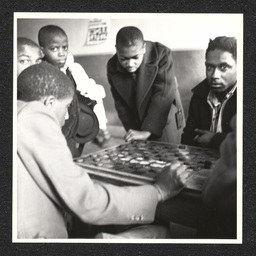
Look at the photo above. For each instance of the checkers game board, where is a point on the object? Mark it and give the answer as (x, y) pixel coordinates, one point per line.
(140, 161)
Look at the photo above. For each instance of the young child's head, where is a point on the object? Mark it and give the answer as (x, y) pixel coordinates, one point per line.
(54, 43)
(48, 85)
(28, 53)
(130, 48)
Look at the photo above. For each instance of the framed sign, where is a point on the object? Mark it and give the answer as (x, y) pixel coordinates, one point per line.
(98, 30)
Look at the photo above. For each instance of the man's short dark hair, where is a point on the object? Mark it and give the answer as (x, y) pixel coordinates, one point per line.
(47, 32)
(128, 36)
(21, 41)
(223, 43)
(42, 80)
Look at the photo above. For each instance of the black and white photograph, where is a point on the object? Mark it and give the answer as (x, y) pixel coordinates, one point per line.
(127, 128)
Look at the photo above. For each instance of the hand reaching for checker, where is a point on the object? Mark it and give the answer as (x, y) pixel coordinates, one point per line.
(171, 181)
(136, 135)
(204, 137)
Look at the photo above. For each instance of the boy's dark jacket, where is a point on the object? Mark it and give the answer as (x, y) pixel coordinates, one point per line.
(200, 116)
(82, 125)
(149, 108)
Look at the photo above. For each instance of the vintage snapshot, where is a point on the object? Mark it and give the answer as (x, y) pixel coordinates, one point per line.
(127, 128)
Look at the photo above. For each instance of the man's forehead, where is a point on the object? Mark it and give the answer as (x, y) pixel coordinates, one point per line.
(130, 50)
(54, 39)
(27, 51)
(219, 56)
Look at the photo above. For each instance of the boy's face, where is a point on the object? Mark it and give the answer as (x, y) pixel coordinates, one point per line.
(56, 50)
(130, 58)
(221, 70)
(27, 56)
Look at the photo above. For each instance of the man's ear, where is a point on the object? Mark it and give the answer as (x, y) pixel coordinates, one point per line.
(144, 47)
(42, 49)
(42, 52)
(49, 102)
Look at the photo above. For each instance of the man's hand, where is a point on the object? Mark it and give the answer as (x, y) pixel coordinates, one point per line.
(136, 135)
(222, 181)
(171, 181)
(204, 137)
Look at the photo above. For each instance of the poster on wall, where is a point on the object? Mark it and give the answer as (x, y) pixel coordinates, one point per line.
(98, 30)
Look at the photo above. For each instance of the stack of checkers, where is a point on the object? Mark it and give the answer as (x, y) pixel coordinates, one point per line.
(139, 162)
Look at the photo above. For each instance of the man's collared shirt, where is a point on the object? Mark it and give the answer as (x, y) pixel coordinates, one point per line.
(217, 109)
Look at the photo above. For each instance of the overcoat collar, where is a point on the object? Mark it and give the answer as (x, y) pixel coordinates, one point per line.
(203, 89)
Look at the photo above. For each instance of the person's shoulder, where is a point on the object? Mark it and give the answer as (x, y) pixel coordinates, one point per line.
(113, 58)
(33, 112)
(201, 88)
(76, 67)
(35, 123)
(156, 51)
(159, 46)
(33, 106)
(111, 64)
(73, 65)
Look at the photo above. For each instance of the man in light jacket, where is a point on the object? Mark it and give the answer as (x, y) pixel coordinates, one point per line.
(50, 184)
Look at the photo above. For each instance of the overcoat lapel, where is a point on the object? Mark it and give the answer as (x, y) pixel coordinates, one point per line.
(145, 79)
(146, 74)
(124, 87)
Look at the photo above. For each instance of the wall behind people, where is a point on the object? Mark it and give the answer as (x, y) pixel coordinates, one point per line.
(187, 35)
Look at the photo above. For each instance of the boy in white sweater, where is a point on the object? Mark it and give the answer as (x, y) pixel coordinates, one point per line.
(54, 42)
